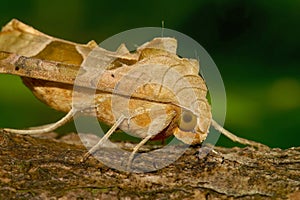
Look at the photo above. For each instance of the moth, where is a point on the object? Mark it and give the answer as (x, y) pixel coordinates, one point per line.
(50, 68)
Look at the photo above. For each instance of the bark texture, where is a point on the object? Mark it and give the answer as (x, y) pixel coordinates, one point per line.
(47, 168)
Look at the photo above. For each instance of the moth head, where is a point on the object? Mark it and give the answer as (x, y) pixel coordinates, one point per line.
(191, 129)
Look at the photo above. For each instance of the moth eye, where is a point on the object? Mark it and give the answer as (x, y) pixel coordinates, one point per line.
(187, 121)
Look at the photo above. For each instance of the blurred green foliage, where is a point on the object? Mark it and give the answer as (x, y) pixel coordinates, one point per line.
(255, 45)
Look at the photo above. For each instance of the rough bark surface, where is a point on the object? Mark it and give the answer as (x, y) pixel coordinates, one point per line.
(45, 168)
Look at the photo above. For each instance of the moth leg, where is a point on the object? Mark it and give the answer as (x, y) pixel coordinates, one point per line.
(235, 138)
(104, 138)
(40, 127)
(46, 128)
(135, 150)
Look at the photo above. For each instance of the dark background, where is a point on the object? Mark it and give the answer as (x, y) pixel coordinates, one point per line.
(255, 45)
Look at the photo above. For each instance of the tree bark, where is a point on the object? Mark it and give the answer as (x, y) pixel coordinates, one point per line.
(47, 168)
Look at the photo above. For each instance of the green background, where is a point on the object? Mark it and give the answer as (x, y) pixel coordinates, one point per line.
(255, 45)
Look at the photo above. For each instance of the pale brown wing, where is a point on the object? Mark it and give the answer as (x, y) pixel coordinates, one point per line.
(30, 53)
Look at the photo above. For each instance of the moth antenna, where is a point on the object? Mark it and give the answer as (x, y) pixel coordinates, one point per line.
(162, 28)
(235, 138)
